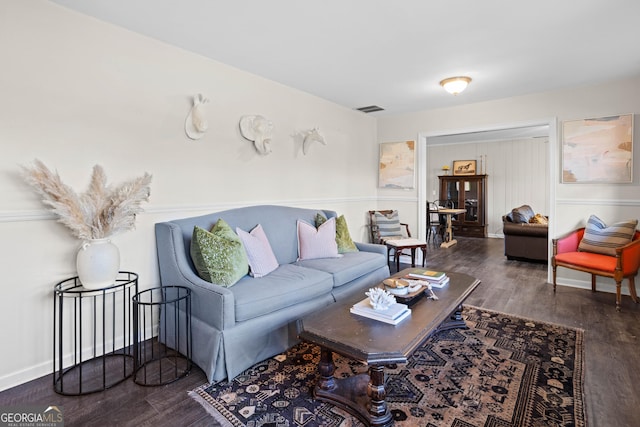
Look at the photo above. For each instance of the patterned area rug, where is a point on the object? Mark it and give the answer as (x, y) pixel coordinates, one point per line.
(502, 371)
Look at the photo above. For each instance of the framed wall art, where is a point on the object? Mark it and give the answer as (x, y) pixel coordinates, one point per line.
(397, 165)
(464, 167)
(598, 150)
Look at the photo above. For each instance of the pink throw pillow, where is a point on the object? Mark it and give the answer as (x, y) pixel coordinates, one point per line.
(261, 257)
(317, 243)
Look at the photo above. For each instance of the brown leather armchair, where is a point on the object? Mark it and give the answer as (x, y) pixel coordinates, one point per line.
(524, 240)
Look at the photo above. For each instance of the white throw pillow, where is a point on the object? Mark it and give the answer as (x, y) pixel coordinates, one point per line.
(261, 257)
(317, 243)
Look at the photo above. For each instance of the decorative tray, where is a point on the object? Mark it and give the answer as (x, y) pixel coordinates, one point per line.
(411, 298)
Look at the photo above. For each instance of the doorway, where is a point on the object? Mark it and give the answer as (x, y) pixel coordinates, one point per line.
(519, 159)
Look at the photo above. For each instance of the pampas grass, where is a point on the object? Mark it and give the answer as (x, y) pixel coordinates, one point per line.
(101, 211)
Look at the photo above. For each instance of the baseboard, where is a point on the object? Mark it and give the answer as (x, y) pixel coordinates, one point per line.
(600, 287)
(30, 374)
(46, 368)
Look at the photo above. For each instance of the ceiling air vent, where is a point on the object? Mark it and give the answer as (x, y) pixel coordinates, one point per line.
(370, 109)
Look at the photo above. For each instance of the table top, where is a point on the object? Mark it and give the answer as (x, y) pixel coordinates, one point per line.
(451, 211)
(72, 287)
(376, 342)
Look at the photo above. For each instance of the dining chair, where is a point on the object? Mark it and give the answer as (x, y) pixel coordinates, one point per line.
(434, 224)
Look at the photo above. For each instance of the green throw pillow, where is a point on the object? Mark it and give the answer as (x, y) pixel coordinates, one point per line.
(343, 238)
(218, 255)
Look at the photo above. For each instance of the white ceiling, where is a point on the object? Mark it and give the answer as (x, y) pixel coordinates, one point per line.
(394, 53)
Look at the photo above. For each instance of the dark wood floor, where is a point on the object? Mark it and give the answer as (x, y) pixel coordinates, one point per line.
(612, 352)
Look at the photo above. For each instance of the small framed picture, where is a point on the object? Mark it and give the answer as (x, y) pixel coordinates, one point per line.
(464, 167)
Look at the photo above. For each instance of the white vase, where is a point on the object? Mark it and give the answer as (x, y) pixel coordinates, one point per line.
(98, 263)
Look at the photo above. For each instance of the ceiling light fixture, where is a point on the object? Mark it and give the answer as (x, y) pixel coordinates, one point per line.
(455, 85)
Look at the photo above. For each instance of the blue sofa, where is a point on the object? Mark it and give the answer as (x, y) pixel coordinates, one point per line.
(236, 327)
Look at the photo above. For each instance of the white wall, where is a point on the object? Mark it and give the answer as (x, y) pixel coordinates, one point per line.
(76, 92)
(571, 204)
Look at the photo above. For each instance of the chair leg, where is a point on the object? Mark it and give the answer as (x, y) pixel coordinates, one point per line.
(632, 289)
(618, 294)
(554, 278)
(593, 283)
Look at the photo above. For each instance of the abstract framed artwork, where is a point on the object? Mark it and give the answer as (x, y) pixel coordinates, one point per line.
(598, 150)
(397, 165)
(464, 167)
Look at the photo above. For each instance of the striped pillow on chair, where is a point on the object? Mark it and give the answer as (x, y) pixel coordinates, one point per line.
(601, 239)
(388, 225)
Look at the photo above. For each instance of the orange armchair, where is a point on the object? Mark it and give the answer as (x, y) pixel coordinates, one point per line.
(624, 264)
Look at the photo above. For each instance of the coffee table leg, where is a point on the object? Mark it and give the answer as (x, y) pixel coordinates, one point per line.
(454, 321)
(362, 395)
(326, 368)
(376, 392)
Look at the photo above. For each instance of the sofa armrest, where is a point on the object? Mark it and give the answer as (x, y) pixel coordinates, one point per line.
(372, 247)
(568, 242)
(210, 303)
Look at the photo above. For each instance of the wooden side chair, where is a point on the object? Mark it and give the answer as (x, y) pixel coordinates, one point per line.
(386, 229)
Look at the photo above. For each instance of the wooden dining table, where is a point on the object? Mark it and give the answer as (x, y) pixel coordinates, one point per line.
(448, 239)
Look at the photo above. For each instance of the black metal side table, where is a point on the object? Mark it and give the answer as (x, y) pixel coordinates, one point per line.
(162, 355)
(92, 340)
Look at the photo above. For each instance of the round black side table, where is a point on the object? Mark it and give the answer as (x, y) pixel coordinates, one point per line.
(92, 339)
(162, 335)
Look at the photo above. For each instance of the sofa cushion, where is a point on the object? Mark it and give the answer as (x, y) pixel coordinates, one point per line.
(522, 214)
(351, 266)
(261, 258)
(218, 255)
(598, 238)
(343, 237)
(388, 225)
(287, 285)
(317, 242)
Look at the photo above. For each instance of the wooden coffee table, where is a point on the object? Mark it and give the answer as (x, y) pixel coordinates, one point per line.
(376, 343)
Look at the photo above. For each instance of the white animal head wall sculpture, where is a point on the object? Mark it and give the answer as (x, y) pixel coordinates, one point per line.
(259, 130)
(196, 124)
(310, 137)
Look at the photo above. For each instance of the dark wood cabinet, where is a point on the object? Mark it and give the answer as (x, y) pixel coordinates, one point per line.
(467, 192)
